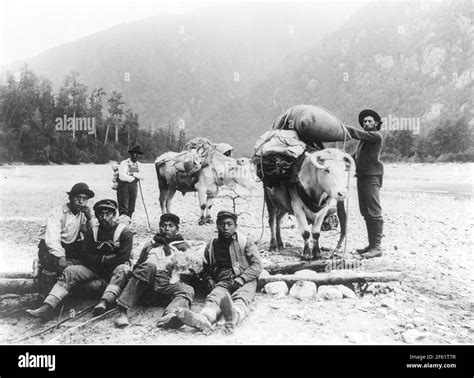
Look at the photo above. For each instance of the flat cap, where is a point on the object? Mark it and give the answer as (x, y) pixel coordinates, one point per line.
(223, 214)
(170, 217)
(106, 204)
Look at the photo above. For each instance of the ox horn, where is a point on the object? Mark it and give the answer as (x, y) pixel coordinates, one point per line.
(349, 161)
(316, 159)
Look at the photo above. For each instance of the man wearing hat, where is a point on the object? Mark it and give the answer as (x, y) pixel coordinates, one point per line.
(230, 269)
(152, 271)
(62, 234)
(369, 172)
(130, 172)
(105, 255)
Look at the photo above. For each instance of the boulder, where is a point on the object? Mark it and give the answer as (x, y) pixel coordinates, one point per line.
(329, 293)
(346, 292)
(303, 290)
(279, 288)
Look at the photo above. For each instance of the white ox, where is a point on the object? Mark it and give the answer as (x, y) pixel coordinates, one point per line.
(322, 177)
(216, 171)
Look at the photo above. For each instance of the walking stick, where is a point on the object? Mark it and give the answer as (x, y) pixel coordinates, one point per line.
(144, 206)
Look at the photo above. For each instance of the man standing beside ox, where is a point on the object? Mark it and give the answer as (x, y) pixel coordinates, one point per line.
(369, 172)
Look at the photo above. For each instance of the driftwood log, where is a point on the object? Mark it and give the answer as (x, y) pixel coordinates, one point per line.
(318, 266)
(28, 285)
(336, 277)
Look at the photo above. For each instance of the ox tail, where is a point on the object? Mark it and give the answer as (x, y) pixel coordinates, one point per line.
(265, 197)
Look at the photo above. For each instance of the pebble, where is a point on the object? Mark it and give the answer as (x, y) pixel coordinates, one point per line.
(388, 302)
(346, 292)
(276, 288)
(419, 321)
(409, 326)
(355, 337)
(412, 336)
(303, 290)
(329, 293)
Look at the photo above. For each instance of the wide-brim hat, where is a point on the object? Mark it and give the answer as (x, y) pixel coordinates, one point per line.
(372, 113)
(135, 150)
(106, 204)
(170, 217)
(81, 188)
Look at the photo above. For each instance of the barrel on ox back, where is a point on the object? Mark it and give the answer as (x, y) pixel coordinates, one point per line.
(312, 123)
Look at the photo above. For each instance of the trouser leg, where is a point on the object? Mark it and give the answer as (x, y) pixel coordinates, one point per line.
(122, 198)
(70, 277)
(132, 197)
(117, 282)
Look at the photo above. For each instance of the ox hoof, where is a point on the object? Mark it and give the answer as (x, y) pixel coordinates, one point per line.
(305, 257)
(201, 222)
(209, 220)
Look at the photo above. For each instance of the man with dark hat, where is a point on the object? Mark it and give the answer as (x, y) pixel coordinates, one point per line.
(152, 271)
(369, 172)
(130, 172)
(230, 269)
(105, 255)
(62, 234)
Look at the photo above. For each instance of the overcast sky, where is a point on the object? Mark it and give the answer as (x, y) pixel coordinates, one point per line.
(28, 27)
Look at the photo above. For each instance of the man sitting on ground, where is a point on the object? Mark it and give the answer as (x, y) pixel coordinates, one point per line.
(231, 268)
(106, 254)
(152, 271)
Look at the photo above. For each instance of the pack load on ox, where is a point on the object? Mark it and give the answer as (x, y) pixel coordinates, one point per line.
(301, 176)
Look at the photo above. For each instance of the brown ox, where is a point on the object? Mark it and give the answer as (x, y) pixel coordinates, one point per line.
(218, 170)
(321, 177)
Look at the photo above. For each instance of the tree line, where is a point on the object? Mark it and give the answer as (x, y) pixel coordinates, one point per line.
(74, 125)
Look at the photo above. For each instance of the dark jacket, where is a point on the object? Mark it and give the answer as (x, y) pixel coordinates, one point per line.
(367, 155)
(119, 252)
(246, 264)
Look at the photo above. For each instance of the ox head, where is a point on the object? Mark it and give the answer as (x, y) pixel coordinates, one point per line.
(237, 171)
(331, 170)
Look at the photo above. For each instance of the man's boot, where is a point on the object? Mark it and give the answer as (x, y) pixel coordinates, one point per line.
(227, 308)
(101, 308)
(169, 320)
(45, 312)
(55, 296)
(360, 251)
(377, 234)
(108, 299)
(202, 321)
(121, 321)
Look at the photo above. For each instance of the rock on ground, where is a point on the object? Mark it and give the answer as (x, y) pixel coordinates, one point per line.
(276, 288)
(346, 292)
(303, 290)
(329, 293)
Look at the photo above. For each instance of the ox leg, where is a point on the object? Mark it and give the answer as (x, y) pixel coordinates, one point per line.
(305, 231)
(271, 220)
(209, 202)
(202, 202)
(169, 198)
(279, 217)
(341, 214)
(316, 231)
